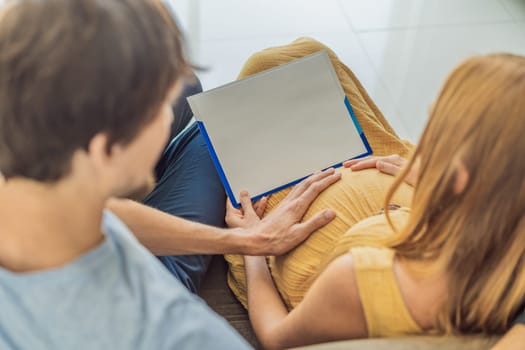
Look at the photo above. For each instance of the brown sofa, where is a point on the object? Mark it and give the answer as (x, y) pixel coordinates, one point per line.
(216, 293)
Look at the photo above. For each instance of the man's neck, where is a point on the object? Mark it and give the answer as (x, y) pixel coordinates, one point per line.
(44, 226)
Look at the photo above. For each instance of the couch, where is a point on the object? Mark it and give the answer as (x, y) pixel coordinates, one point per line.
(215, 292)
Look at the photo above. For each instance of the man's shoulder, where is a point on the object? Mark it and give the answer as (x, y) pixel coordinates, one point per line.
(176, 317)
(114, 227)
(191, 324)
(142, 269)
(131, 254)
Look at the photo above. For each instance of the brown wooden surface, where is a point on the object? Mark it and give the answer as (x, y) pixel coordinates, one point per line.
(214, 290)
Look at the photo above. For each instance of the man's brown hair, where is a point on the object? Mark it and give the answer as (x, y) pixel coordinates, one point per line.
(72, 69)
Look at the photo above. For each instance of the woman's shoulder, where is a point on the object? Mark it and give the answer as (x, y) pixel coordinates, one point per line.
(364, 281)
(379, 224)
(424, 291)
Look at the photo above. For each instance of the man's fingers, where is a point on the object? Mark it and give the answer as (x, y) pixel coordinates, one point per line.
(388, 168)
(306, 183)
(319, 220)
(316, 188)
(246, 204)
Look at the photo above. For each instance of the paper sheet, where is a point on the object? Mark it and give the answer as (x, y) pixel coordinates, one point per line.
(273, 128)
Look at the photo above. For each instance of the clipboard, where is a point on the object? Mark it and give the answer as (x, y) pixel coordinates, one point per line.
(271, 130)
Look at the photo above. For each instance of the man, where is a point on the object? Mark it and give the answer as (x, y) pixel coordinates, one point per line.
(86, 88)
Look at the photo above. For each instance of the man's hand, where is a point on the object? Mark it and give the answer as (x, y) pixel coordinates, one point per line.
(391, 165)
(282, 229)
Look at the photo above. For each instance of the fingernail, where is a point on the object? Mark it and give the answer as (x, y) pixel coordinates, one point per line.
(244, 193)
(329, 214)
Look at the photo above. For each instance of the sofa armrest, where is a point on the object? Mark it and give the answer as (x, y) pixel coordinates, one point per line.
(415, 342)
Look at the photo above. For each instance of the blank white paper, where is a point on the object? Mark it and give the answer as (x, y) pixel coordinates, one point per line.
(278, 126)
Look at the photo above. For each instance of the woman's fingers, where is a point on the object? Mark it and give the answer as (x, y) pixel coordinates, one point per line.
(392, 165)
(233, 215)
(371, 162)
(230, 209)
(351, 162)
(363, 164)
(395, 159)
(246, 204)
(388, 168)
(260, 206)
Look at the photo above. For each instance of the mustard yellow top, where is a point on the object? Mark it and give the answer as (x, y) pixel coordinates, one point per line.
(385, 310)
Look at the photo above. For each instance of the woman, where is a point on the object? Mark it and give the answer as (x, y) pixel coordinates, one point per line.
(453, 263)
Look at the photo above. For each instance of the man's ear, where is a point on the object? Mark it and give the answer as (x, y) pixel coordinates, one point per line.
(462, 177)
(98, 150)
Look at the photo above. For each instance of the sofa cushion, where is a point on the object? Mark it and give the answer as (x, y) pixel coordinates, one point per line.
(416, 343)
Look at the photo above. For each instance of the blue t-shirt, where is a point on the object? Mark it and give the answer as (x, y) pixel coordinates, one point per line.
(116, 296)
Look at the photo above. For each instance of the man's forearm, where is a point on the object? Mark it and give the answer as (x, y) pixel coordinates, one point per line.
(276, 234)
(165, 234)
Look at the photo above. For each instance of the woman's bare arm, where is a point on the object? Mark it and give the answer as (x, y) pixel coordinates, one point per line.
(331, 309)
(514, 339)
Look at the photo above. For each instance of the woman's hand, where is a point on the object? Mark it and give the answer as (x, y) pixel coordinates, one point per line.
(245, 218)
(391, 165)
